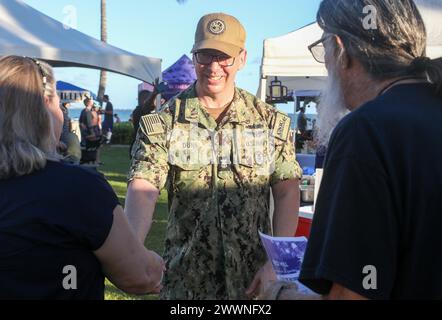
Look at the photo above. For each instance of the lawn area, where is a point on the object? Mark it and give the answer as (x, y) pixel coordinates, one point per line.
(115, 168)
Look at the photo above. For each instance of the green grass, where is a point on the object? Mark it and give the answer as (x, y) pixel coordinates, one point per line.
(115, 168)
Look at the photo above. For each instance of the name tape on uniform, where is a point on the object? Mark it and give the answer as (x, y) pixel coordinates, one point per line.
(153, 124)
(282, 126)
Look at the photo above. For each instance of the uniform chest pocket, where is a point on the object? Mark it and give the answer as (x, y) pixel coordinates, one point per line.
(253, 166)
(187, 171)
(188, 177)
(251, 147)
(189, 150)
(256, 174)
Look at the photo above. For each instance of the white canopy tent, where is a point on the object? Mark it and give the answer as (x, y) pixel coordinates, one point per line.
(288, 58)
(25, 31)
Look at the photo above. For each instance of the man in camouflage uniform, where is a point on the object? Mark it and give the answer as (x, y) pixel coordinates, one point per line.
(218, 150)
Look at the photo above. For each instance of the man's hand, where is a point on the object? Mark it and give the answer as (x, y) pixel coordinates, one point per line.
(262, 279)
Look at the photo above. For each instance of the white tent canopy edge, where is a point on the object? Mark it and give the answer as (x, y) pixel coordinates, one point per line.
(25, 31)
(288, 58)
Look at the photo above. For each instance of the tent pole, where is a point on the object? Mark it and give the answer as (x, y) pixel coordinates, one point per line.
(154, 83)
(263, 87)
(158, 98)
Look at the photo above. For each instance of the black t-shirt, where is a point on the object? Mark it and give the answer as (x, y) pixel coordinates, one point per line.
(136, 116)
(138, 113)
(86, 121)
(109, 118)
(379, 203)
(50, 219)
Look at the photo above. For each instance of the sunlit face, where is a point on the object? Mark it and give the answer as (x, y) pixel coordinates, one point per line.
(90, 103)
(53, 105)
(214, 79)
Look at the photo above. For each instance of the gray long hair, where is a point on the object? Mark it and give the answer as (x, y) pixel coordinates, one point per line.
(395, 48)
(26, 135)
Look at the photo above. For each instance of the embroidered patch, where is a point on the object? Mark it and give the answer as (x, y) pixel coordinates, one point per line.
(282, 126)
(259, 157)
(153, 124)
(216, 26)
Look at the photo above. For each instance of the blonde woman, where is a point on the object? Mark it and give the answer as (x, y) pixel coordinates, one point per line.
(62, 229)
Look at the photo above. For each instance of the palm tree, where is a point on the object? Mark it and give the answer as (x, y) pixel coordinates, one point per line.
(103, 74)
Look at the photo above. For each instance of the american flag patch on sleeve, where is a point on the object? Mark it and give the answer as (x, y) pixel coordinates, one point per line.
(153, 124)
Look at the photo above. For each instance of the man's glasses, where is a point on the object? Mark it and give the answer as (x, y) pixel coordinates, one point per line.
(206, 59)
(317, 49)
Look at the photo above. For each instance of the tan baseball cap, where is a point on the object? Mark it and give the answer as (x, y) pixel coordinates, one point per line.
(221, 32)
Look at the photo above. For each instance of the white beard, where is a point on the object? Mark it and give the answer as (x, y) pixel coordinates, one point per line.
(331, 108)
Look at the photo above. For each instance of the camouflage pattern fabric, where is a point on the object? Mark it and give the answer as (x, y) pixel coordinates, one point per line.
(218, 178)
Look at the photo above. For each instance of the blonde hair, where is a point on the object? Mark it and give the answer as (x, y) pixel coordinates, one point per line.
(26, 130)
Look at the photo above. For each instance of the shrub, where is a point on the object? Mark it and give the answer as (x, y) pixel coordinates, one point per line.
(122, 133)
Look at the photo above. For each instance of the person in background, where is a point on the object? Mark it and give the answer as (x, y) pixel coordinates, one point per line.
(143, 96)
(97, 132)
(301, 133)
(67, 126)
(69, 145)
(86, 126)
(375, 233)
(219, 193)
(117, 118)
(91, 135)
(63, 225)
(302, 121)
(96, 122)
(108, 123)
(146, 105)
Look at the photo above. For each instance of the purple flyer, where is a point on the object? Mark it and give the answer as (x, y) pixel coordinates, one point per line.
(286, 254)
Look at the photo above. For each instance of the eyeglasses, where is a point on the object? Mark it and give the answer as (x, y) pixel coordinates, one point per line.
(206, 59)
(317, 49)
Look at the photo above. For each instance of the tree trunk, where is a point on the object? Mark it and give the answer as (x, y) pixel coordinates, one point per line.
(103, 74)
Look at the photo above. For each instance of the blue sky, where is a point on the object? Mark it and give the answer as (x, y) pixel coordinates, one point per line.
(165, 29)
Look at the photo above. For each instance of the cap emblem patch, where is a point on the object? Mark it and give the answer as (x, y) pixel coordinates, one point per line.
(216, 26)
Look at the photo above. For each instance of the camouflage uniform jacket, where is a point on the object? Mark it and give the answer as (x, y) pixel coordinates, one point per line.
(218, 178)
